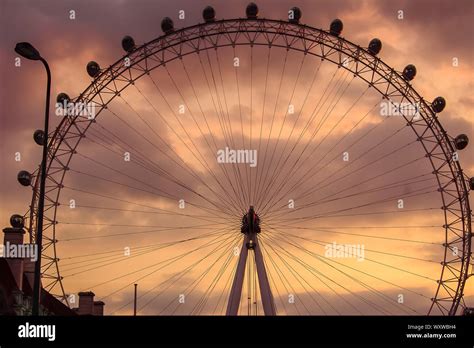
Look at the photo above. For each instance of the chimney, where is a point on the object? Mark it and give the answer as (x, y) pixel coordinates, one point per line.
(14, 236)
(86, 303)
(99, 308)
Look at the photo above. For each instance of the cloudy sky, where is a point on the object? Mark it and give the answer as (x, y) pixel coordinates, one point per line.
(344, 166)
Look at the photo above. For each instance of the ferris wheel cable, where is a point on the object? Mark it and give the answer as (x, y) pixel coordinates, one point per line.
(170, 212)
(278, 170)
(316, 74)
(215, 212)
(249, 178)
(317, 187)
(399, 183)
(170, 177)
(223, 168)
(283, 279)
(302, 180)
(298, 278)
(324, 243)
(202, 301)
(266, 187)
(239, 174)
(319, 107)
(167, 262)
(309, 252)
(373, 276)
(223, 245)
(360, 282)
(288, 175)
(222, 117)
(259, 178)
(378, 262)
(120, 252)
(360, 297)
(266, 238)
(399, 195)
(259, 184)
(133, 233)
(204, 165)
(225, 290)
(171, 197)
(200, 305)
(198, 127)
(262, 114)
(151, 170)
(272, 281)
(328, 230)
(382, 157)
(111, 260)
(275, 176)
(247, 198)
(334, 212)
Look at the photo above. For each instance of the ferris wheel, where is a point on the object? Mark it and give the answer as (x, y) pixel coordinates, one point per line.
(255, 166)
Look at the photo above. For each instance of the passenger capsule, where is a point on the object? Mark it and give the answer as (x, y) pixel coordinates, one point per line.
(252, 11)
(167, 25)
(63, 99)
(409, 72)
(17, 221)
(38, 136)
(294, 15)
(24, 178)
(461, 141)
(209, 14)
(128, 44)
(336, 27)
(438, 104)
(375, 46)
(93, 69)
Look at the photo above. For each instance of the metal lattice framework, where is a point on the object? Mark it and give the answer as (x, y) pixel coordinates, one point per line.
(437, 144)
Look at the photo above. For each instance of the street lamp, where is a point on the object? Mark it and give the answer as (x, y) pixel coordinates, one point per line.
(27, 51)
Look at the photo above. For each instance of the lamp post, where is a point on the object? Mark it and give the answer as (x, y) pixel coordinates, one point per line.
(27, 51)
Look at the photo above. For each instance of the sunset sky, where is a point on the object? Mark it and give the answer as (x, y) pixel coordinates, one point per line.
(132, 204)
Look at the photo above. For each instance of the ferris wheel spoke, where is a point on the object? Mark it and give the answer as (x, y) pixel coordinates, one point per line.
(224, 121)
(337, 87)
(226, 245)
(340, 91)
(199, 128)
(258, 178)
(287, 177)
(199, 158)
(318, 187)
(387, 300)
(223, 258)
(223, 168)
(162, 264)
(330, 229)
(300, 279)
(201, 303)
(299, 181)
(236, 168)
(105, 261)
(385, 187)
(265, 187)
(385, 265)
(280, 252)
(414, 193)
(154, 165)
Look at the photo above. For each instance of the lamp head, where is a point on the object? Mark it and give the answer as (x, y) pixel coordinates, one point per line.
(26, 50)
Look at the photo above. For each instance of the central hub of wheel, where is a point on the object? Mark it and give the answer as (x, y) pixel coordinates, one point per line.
(250, 222)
